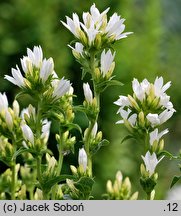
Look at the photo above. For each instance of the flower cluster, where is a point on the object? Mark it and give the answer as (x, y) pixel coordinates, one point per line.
(148, 108)
(95, 30)
(120, 189)
(38, 74)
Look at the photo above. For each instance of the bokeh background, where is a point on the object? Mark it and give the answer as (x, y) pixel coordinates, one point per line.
(153, 50)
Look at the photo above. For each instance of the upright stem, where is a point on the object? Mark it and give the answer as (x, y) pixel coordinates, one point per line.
(13, 184)
(92, 122)
(148, 196)
(38, 164)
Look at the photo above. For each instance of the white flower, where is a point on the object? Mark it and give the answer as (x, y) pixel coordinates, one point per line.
(45, 130)
(94, 130)
(153, 119)
(27, 133)
(159, 88)
(106, 61)
(122, 102)
(3, 102)
(95, 15)
(125, 115)
(155, 136)
(156, 119)
(151, 162)
(29, 111)
(36, 56)
(115, 27)
(79, 48)
(140, 89)
(46, 69)
(88, 93)
(91, 32)
(51, 163)
(17, 78)
(82, 159)
(73, 25)
(61, 87)
(26, 65)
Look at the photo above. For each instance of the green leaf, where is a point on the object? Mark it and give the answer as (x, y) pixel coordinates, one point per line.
(175, 180)
(80, 108)
(127, 138)
(48, 184)
(21, 151)
(74, 126)
(167, 154)
(104, 142)
(103, 85)
(84, 185)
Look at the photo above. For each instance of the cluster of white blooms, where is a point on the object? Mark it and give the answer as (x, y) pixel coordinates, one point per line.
(7, 115)
(95, 29)
(38, 71)
(149, 107)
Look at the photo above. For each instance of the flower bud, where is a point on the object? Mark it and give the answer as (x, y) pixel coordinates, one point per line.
(109, 187)
(82, 159)
(73, 169)
(133, 102)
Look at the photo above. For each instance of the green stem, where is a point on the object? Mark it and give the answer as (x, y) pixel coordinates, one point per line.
(148, 196)
(38, 164)
(13, 185)
(92, 122)
(60, 162)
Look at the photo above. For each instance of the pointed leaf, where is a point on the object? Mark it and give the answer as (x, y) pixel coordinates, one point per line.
(127, 138)
(167, 154)
(175, 180)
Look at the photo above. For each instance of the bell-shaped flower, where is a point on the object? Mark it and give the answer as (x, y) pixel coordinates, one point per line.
(61, 87)
(3, 102)
(126, 116)
(140, 89)
(46, 69)
(17, 78)
(88, 93)
(78, 50)
(159, 88)
(155, 136)
(27, 133)
(122, 102)
(35, 55)
(82, 159)
(151, 162)
(94, 130)
(107, 63)
(115, 27)
(45, 130)
(73, 25)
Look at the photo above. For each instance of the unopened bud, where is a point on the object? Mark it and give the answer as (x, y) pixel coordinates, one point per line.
(109, 187)
(82, 159)
(16, 108)
(73, 169)
(97, 41)
(152, 195)
(141, 119)
(161, 145)
(134, 196)
(133, 102)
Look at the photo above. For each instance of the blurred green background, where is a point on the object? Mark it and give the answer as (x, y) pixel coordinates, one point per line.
(153, 50)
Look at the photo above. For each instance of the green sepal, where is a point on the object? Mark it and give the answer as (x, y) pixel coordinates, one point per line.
(21, 151)
(96, 148)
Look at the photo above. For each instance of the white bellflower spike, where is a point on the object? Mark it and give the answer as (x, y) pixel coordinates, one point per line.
(82, 159)
(151, 162)
(88, 93)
